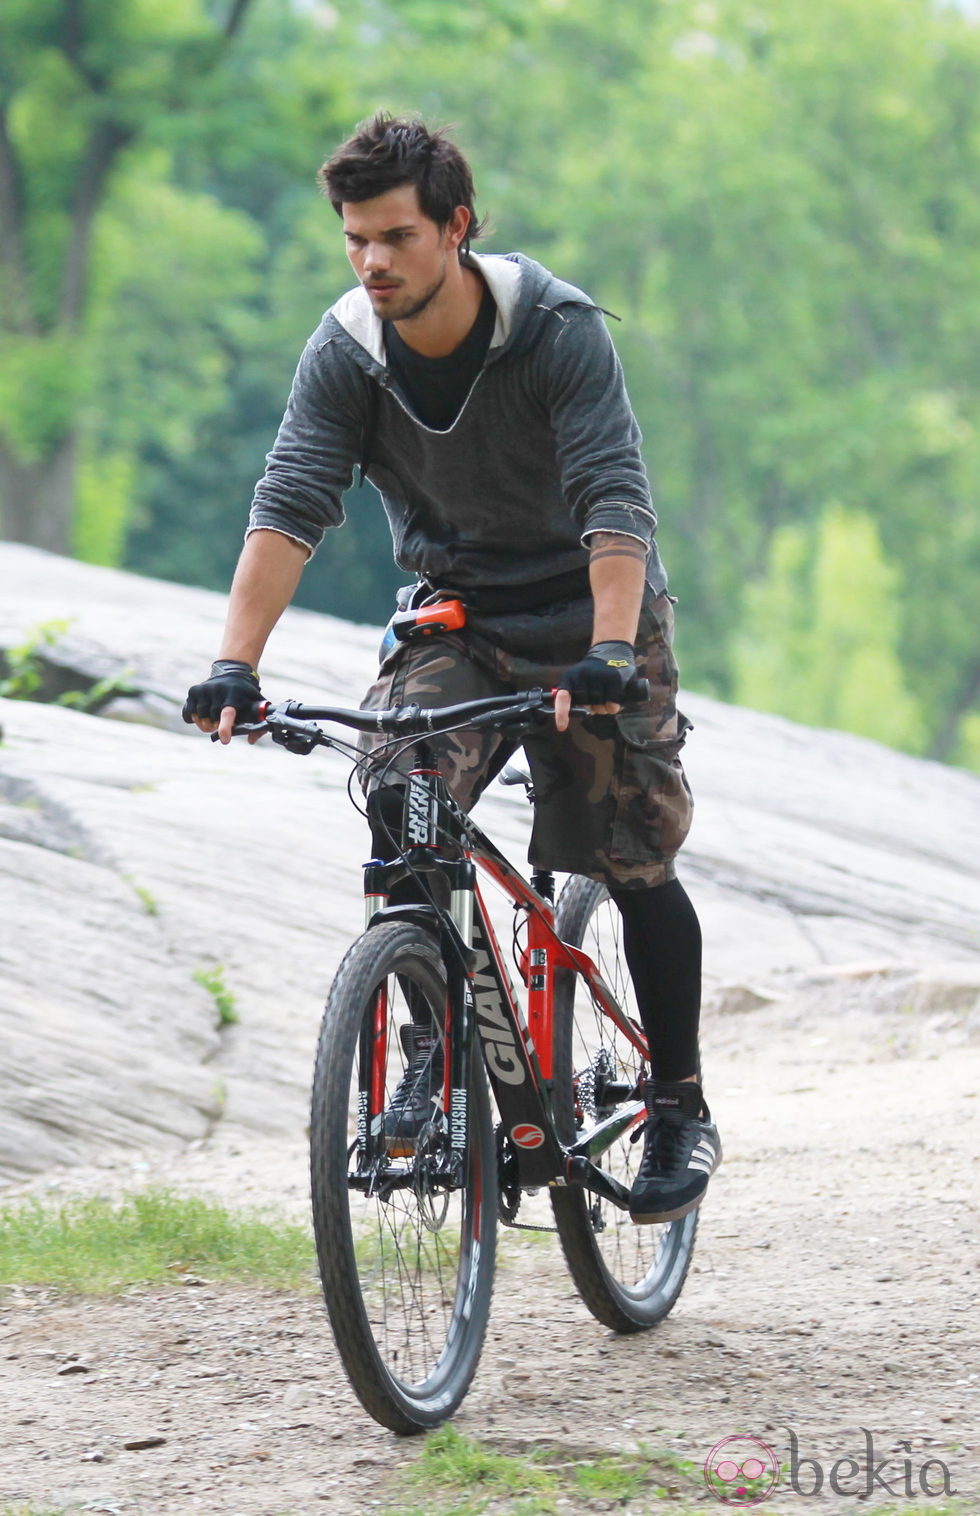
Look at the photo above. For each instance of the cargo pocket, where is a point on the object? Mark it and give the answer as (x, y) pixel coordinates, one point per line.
(652, 800)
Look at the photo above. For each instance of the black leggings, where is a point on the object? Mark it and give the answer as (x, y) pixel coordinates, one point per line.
(662, 940)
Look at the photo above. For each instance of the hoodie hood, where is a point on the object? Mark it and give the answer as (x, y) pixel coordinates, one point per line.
(518, 285)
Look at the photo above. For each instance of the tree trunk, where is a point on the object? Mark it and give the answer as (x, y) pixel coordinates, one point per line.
(37, 500)
(965, 700)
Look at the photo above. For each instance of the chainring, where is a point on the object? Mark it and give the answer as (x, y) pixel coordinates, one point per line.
(508, 1177)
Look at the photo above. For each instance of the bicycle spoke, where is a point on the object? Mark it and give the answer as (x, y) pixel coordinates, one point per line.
(406, 1260)
(628, 1275)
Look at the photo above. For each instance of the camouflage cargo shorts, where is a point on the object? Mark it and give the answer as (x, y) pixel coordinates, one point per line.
(615, 807)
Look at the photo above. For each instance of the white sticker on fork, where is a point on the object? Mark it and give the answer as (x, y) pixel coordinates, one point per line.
(457, 1120)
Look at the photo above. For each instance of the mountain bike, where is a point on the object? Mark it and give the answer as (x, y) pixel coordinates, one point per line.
(406, 1232)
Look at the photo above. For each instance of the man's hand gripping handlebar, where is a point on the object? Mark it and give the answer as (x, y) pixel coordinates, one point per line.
(294, 726)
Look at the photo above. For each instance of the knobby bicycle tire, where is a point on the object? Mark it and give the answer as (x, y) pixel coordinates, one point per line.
(408, 1304)
(629, 1276)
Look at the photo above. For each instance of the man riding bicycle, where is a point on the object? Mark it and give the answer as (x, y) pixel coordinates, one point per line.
(485, 401)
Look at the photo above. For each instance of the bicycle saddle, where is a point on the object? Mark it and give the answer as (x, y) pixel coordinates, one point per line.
(515, 771)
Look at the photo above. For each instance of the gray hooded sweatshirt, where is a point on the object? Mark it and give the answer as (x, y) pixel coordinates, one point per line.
(544, 451)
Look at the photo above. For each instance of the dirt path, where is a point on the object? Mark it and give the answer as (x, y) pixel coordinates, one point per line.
(834, 1289)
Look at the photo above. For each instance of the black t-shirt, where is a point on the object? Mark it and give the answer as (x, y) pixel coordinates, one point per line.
(437, 387)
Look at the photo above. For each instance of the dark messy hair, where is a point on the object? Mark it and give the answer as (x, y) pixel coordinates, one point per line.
(388, 151)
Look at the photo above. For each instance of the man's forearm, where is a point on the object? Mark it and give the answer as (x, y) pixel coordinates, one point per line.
(617, 571)
(265, 581)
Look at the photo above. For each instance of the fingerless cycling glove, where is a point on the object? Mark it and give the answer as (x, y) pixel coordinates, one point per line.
(602, 676)
(229, 683)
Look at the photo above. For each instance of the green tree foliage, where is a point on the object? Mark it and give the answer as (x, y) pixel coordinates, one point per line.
(117, 284)
(304, 269)
(818, 640)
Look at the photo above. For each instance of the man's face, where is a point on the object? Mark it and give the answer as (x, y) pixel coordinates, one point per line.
(399, 255)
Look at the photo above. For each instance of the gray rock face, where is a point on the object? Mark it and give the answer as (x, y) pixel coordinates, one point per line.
(134, 856)
(822, 847)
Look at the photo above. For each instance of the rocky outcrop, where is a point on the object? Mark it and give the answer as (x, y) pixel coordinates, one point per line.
(137, 861)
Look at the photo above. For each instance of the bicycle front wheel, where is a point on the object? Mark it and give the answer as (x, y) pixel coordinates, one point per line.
(629, 1276)
(406, 1255)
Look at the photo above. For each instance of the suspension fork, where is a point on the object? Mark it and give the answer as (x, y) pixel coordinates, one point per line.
(424, 833)
(372, 1058)
(460, 1014)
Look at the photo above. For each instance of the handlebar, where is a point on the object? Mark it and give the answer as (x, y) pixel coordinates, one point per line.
(415, 720)
(293, 720)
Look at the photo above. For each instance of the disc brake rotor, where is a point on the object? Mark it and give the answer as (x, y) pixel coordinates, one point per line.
(431, 1189)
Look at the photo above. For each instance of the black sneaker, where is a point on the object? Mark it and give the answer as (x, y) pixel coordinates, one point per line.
(681, 1152)
(416, 1098)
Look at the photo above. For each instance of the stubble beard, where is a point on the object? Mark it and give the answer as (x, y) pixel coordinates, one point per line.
(419, 303)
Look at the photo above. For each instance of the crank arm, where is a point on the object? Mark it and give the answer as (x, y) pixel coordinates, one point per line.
(580, 1171)
(602, 1136)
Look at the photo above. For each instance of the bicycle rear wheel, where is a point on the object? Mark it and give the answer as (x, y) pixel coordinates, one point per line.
(406, 1259)
(629, 1276)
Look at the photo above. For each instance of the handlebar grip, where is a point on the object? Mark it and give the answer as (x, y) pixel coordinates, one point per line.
(243, 728)
(637, 692)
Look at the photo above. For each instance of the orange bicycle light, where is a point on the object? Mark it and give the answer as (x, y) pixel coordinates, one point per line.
(444, 616)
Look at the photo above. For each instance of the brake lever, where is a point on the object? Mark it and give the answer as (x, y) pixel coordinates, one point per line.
(244, 729)
(298, 736)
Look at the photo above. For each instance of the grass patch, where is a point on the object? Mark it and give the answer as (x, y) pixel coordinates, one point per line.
(610, 1479)
(451, 1462)
(652, 1502)
(432, 1252)
(145, 897)
(463, 1476)
(24, 662)
(99, 1246)
(213, 980)
(25, 668)
(100, 692)
(33, 1510)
